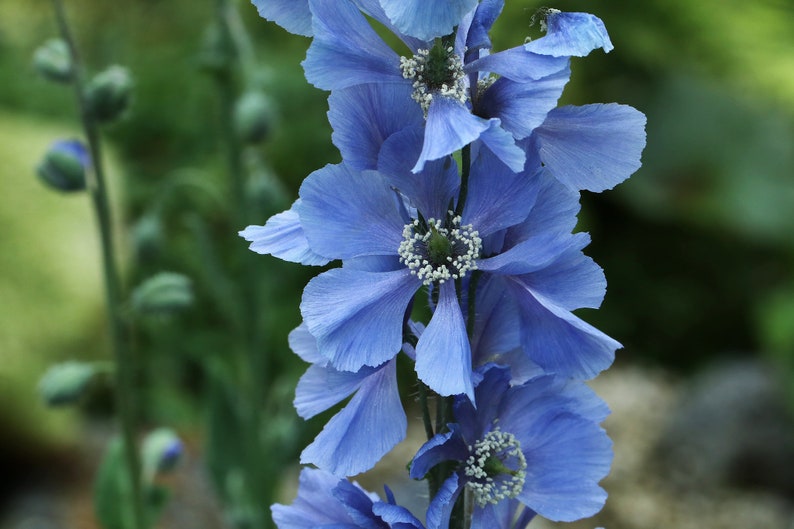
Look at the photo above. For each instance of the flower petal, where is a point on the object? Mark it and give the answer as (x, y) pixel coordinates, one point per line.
(321, 387)
(361, 125)
(346, 51)
(347, 213)
(519, 65)
(592, 147)
(357, 437)
(357, 316)
(573, 282)
(426, 19)
(443, 353)
(571, 35)
(440, 508)
(283, 237)
(314, 506)
(292, 15)
(304, 345)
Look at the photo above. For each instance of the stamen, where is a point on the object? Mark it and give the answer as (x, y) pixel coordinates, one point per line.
(437, 71)
(438, 250)
(497, 468)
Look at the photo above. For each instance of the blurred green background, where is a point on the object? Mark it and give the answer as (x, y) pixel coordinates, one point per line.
(697, 245)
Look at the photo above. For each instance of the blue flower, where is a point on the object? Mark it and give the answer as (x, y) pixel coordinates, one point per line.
(455, 83)
(370, 425)
(326, 501)
(537, 443)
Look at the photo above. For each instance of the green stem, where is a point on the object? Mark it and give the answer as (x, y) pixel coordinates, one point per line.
(465, 154)
(125, 365)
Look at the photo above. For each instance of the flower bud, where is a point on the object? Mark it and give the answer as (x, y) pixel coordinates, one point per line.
(108, 93)
(163, 293)
(64, 384)
(161, 451)
(53, 60)
(64, 166)
(253, 117)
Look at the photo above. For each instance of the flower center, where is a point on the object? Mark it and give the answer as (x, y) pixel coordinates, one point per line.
(496, 468)
(438, 250)
(437, 71)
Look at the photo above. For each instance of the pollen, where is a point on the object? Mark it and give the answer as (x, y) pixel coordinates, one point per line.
(439, 250)
(496, 468)
(435, 72)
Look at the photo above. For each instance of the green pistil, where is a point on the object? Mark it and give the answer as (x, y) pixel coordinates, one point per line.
(437, 71)
(438, 247)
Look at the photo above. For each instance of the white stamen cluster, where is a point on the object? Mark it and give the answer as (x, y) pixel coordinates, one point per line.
(415, 69)
(464, 243)
(487, 488)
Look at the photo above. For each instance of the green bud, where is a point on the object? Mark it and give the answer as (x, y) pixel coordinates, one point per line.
(216, 54)
(147, 237)
(53, 60)
(163, 293)
(64, 166)
(161, 451)
(64, 384)
(108, 94)
(253, 117)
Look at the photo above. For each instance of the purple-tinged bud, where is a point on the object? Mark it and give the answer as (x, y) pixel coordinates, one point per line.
(65, 165)
(108, 94)
(53, 60)
(161, 451)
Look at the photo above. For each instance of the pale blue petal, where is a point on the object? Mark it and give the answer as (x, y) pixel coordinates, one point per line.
(533, 254)
(314, 506)
(292, 15)
(374, 10)
(443, 353)
(442, 447)
(566, 459)
(554, 213)
(571, 35)
(426, 19)
(522, 107)
(283, 237)
(558, 341)
(519, 65)
(357, 316)
(574, 281)
(346, 51)
(347, 213)
(592, 147)
(503, 145)
(485, 16)
(450, 126)
(498, 197)
(304, 345)
(358, 504)
(501, 516)
(321, 387)
(357, 437)
(440, 509)
(361, 123)
(396, 516)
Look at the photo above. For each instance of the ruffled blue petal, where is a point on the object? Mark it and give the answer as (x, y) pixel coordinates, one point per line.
(519, 65)
(592, 147)
(304, 345)
(571, 35)
(568, 456)
(282, 236)
(371, 424)
(396, 516)
(426, 19)
(314, 506)
(358, 505)
(557, 340)
(292, 15)
(321, 387)
(533, 254)
(503, 145)
(357, 316)
(487, 13)
(440, 508)
(429, 190)
(346, 51)
(347, 213)
(522, 107)
(496, 325)
(574, 281)
(450, 126)
(498, 197)
(442, 447)
(443, 353)
(554, 214)
(361, 122)
(502, 515)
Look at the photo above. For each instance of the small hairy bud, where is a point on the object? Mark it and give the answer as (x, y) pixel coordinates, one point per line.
(53, 61)
(65, 383)
(163, 293)
(108, 94)
(253, 117)
(64, 166)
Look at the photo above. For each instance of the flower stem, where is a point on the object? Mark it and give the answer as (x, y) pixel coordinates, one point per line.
(125, 365)
(465, 154)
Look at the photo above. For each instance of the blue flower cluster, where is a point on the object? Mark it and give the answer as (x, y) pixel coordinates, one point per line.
(457, 197)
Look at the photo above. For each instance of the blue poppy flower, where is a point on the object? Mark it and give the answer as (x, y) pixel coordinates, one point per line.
(466, 93)
(326, 501)
(538, 443)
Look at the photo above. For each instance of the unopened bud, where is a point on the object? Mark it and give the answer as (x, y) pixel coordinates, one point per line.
(64, 166)
(64, 384)
(253, 117)
(161, 451)
(53, 61)
(108, 93)
(163, 293)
